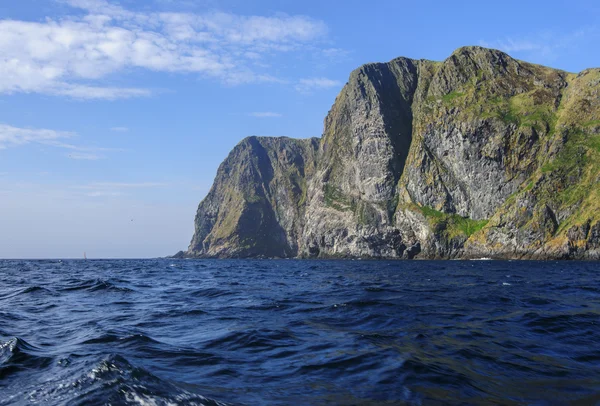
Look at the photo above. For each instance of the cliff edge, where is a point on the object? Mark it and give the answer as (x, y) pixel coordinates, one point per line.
(480, 155)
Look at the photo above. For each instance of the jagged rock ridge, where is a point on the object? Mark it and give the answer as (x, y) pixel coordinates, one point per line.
(480, 155)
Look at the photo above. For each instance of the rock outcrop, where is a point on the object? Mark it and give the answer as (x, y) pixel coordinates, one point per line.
(480, 155)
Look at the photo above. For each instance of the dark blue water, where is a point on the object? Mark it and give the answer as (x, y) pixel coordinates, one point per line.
(203, 332)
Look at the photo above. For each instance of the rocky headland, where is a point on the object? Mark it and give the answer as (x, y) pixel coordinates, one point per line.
(480, 155)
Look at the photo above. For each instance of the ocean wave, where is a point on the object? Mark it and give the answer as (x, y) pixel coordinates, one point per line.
(95, 285)
(129, 339)
(17, 354)
(253, 340)
(114, 381)
(279, 332)
(210, 292)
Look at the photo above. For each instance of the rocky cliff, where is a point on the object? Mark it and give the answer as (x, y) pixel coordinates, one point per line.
(257, 204)
(480, 155)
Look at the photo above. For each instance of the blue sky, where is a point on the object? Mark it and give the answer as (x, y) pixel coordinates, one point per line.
(114, 115)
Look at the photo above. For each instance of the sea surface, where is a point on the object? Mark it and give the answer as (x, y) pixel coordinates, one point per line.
(285, 332)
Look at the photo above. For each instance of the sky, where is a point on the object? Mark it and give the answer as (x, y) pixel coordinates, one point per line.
(115, 115)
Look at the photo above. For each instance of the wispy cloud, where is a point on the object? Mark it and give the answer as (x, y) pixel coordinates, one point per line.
(122, 185)
(71, 55)
(311, 84)
(104, 194)
(14, 136)
(519, 45)
(85, 156)
(78, 91)
(335, 54)
(119, 129)
(115, 189)
(547, 45)
(265, 114)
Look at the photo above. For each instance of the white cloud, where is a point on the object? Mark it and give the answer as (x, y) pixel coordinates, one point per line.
(546, 45)
(71, 55)
(114, 189)
(13, 136)
(85, 156)
(335, 54)
(119, 129)
(265, 114)
(104, 194)
(122, 185)
(95, 92)
(310, 84)
(518, 45)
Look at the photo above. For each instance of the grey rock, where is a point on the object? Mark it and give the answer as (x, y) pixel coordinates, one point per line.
(480, 155)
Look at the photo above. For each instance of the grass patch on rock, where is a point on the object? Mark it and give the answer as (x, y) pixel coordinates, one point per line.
(336, 199)
(453, 224)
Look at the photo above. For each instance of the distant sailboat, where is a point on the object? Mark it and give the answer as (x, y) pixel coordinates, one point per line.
(84, 256)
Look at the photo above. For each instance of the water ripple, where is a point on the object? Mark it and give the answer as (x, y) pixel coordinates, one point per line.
(203, 332)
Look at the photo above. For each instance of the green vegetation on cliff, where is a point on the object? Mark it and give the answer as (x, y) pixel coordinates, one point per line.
(452, 224)
(478, 155)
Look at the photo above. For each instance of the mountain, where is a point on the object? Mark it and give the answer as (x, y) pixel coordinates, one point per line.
(480, 155)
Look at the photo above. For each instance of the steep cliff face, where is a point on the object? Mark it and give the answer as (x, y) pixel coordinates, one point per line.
(555, 213)
(256, 206)
(367, 138)
(479, 155)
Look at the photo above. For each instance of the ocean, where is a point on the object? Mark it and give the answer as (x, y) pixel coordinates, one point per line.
(287, 332)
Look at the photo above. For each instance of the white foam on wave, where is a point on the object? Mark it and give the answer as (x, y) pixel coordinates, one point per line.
(143, 400)
(182, 399)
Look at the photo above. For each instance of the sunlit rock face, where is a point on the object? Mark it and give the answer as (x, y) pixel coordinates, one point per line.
(480, 155)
